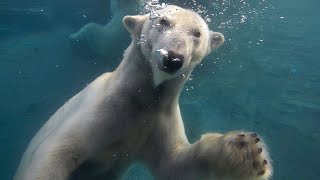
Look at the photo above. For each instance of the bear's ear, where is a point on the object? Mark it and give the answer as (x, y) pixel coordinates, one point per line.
(134, 24)
(215, 41)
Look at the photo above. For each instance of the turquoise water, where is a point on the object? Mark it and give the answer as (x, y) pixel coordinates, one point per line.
(265, 78)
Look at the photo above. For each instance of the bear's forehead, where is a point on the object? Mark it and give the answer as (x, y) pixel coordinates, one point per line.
(185, 16)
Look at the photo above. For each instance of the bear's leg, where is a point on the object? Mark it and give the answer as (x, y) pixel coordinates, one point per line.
(235, 155)
(56, 163)
(231, 156)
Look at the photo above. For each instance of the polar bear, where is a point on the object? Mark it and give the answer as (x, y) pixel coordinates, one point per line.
(132, 114)
(96, 39)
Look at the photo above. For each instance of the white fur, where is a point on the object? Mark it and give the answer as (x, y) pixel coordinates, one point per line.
(133, 114)
(96, 39)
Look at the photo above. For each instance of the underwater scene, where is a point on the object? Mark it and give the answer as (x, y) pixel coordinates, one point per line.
(264, 79)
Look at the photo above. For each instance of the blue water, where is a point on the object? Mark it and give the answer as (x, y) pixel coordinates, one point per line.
(265, 78)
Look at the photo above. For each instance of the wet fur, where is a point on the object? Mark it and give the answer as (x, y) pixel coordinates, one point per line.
(122, 117)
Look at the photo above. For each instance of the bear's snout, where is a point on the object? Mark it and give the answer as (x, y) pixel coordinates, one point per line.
(172, 62)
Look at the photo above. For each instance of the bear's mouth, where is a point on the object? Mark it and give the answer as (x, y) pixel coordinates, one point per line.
(160, 66)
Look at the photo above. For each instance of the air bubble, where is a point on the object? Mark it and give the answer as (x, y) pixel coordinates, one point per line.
(151, 7)
(141, 40)
(243, 18)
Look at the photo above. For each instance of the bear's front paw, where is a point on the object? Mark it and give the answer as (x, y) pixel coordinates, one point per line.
(245, 156)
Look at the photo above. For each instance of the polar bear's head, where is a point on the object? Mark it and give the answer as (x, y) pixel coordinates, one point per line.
(174, 42)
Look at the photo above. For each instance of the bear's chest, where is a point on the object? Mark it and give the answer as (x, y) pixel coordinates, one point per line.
(132, 129)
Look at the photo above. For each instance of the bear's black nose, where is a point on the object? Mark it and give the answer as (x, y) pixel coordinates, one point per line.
(173, 62)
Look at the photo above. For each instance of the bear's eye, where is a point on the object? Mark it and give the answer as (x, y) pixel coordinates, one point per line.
(164, 22)
(196, 33)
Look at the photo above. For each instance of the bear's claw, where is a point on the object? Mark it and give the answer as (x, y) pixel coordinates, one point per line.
(248, 155)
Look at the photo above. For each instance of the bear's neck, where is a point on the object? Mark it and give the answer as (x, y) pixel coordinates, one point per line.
(137, 73)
